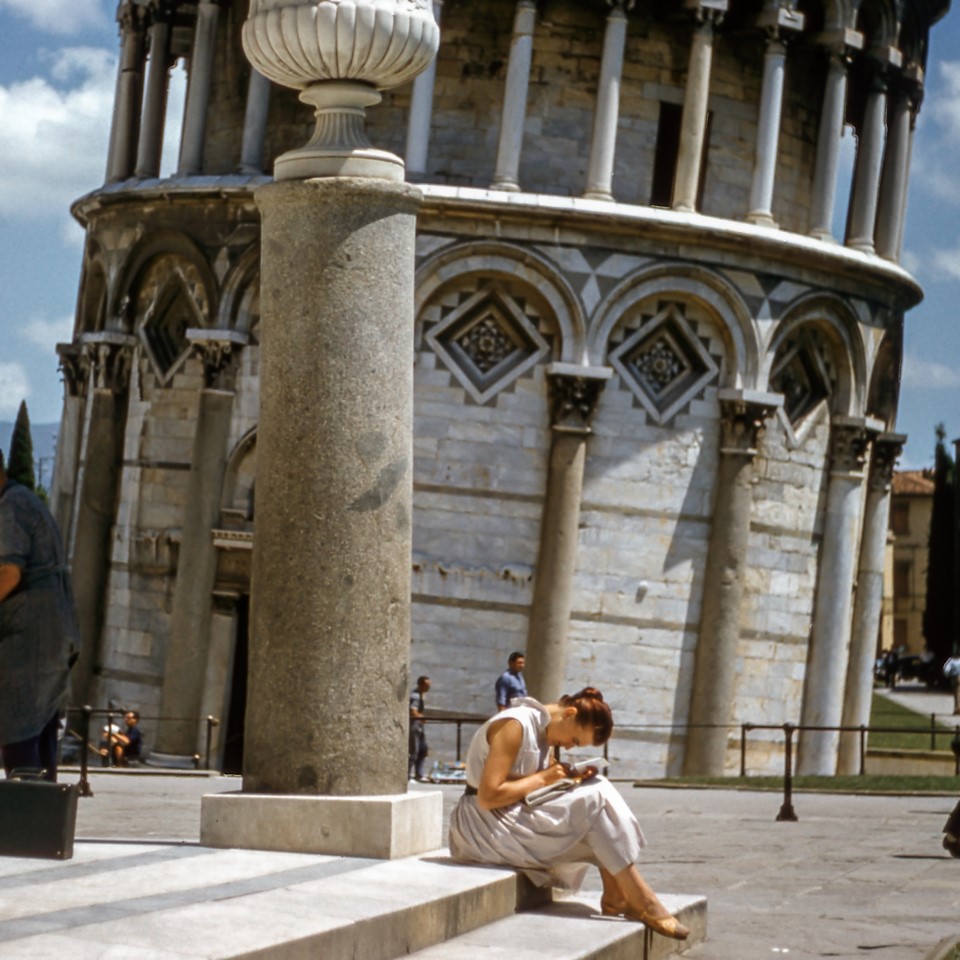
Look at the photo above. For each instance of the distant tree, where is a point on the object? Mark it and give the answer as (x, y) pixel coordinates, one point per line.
(20, 461)
(938, 627)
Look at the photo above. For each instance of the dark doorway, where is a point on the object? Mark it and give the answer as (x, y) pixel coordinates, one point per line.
(233, 734)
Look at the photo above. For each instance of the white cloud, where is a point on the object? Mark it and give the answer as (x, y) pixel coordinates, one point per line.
(14, 387)
(928, 374)
(48, 333)
(53, 140)
(59, 16)
(946, 262)
(944, 107)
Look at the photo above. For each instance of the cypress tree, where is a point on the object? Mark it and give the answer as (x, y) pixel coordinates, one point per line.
(941, 575)
(20, 461)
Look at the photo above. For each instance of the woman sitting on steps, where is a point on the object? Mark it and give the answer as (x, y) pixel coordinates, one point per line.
(554, 842)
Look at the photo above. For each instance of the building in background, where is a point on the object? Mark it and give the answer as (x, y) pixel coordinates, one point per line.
(911, 506)
(655, 395)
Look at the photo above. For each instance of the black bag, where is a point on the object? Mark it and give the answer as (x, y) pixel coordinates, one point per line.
(37, 818)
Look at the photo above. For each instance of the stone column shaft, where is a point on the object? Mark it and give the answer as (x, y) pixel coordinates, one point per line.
(892, 207)
(826, 169)
(768, 132)
(603, 145)
(186, 663)
(154, 101)
(868, 601)
(866, 178)
(255, 123)
(331, 561)
(65, 467)
(715, 661)
(421, 112)
(198, 89)
(96, 500)
(828, 653)
(514, 112)
(574, 394)
(693, 124)
(124, 126)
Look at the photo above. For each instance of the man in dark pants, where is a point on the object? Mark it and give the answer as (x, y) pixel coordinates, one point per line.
(38, 630)
(951, 833)
(417, 744)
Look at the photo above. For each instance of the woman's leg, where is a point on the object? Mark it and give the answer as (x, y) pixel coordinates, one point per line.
(644, 905)
(612, 900)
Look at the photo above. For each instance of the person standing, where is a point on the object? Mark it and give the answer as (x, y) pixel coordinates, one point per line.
(417, 744)
(510, 684)
(39, 637)
(951, 670)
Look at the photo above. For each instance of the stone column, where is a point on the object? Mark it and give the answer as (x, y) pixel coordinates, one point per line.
(771, 107)
(62, 488)
(255, 123)
(109, 357)
(421, 112)
(155, 96)
(186, 660)
(124, 126)
(892, 207)
(715, 660)
(603, 145)
(514, 113)
(574, 393)
(869, 599)
(866, 176)
(693, 124)
(198, 89)
(218, 673)
(827, 165)
(330, 608)
(827, 656)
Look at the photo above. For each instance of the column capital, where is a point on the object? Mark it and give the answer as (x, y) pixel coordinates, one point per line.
(72, 367)
(780, 21)
(620, 7)
(842, 42)
(849, 442)
(887, 447)
(574, 392)
(218, 350)
(109, 358)
(743, 415)
(131, 17)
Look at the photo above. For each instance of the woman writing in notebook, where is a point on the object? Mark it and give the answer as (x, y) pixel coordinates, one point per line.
(556, 840)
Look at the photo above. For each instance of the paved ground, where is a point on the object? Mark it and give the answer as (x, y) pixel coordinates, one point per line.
(854, 877)
(916, 696)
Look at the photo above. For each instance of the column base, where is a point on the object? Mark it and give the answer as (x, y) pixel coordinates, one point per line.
(762, 218)
(385, 827)
(509, 186)
(598, 195)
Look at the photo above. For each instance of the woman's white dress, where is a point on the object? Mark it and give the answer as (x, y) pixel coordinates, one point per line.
(554, 842)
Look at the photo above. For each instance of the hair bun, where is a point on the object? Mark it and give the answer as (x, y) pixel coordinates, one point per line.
(588, 693)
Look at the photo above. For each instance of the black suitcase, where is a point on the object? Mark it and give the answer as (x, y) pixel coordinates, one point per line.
(37, 819)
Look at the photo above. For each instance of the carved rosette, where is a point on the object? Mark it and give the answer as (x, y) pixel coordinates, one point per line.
(340, 53)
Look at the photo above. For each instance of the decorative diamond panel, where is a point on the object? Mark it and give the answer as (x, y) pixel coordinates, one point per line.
(801, 374)
(664, 363)
(170, 301)
(487, 341)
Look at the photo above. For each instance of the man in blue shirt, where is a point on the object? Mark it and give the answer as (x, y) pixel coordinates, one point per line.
(510, 683)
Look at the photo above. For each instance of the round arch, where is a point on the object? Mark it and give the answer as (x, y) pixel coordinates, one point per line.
(93, 298)
(688, 282)
(838, 321)
(508, 262)
(161, 243)
(238, 478)
(240, 285)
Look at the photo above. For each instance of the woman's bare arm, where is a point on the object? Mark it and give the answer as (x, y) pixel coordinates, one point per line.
(10, 575)
(496, 790)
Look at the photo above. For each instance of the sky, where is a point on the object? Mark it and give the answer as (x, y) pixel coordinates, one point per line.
(57, 75)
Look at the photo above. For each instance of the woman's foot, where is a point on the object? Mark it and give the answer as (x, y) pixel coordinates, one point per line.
(667, 926)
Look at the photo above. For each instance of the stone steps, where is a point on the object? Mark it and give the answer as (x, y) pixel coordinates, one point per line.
(186, 902)
(573, 929)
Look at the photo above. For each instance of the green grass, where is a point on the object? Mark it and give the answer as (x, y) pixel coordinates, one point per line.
(886, 713)
(865, 784)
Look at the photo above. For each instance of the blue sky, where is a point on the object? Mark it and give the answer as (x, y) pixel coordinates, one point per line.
(57, 74)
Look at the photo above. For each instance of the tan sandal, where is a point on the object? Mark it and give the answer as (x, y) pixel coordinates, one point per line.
(665, 926)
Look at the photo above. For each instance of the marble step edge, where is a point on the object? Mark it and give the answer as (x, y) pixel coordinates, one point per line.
(573, 929)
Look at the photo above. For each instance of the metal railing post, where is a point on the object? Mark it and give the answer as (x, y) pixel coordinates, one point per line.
(211, 723)
(84, 783)
(863, 749)
(933, 731)
(459, 731)
(786, 808)
(744, 727)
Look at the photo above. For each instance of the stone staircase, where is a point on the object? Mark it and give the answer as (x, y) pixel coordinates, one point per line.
(151, 902)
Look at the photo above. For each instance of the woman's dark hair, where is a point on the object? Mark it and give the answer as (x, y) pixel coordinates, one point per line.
(592, 711)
